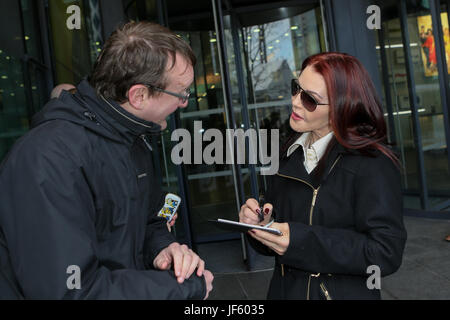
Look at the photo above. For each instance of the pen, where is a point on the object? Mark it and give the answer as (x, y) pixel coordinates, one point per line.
(269, 224)
(262, 201)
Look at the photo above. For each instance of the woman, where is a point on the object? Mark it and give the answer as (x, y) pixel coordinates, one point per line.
(337, 195)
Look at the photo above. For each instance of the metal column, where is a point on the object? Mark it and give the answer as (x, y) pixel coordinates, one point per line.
(174, 123)
(443, 74)
(330, 26)
(231, 121)
(413, 104)
(387, 87)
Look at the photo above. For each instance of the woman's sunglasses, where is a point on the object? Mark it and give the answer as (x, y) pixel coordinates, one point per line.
(308, 101)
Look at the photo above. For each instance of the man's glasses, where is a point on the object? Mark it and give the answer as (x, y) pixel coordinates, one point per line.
(183, 97)
(308, 101)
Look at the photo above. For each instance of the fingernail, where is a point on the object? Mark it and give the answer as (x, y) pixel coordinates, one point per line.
(266, 210)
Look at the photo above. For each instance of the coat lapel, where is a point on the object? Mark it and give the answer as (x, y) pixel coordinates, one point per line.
(292, 166)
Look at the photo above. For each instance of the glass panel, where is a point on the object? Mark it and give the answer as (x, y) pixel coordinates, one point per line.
(431, 116)
(210, 187)
(401, 110)
(74, 50)
(274, 52)
(22, 90)
(431, 120)
(273, 45)
(14, 113)
(142, 10)
(380, 69)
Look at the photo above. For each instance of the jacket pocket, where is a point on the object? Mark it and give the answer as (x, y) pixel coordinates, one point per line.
(110, 216)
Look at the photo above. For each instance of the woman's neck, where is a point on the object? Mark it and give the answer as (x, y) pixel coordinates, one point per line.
(314, 136)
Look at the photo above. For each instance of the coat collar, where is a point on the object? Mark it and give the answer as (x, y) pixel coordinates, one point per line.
(292, 166)
(121, 121)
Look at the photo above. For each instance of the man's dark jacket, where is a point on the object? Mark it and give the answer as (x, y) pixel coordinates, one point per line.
(80, 190)
(344, 224)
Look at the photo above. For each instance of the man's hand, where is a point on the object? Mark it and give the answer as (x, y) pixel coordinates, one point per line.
(172, 222)
(209, 280)
(183, 259)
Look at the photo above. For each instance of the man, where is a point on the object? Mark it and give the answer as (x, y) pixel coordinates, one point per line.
(78, 196)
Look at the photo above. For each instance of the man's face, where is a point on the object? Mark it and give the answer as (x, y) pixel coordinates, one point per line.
(179, 79)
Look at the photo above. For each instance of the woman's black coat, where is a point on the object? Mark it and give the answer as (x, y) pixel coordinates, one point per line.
(344, 226)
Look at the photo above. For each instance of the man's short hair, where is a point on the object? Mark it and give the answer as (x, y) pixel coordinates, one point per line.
(137, 52)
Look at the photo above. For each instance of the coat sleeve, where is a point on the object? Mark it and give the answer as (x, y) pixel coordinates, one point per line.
(379, 235)
(47, 215)
(157, 236)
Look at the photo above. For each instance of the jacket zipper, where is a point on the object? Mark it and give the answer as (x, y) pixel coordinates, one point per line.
(325, 291)
(144, 138)
(311, 210)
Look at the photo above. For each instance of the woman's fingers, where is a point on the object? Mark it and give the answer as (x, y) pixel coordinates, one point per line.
(279, 244)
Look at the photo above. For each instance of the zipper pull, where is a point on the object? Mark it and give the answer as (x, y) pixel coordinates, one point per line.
(316, 191)
(144, 138)
(90, 115)
(325, 291)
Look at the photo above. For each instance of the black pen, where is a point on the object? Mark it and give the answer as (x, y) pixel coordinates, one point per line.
(262, 201)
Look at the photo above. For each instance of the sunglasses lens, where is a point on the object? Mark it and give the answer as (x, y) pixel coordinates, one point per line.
(308, 102)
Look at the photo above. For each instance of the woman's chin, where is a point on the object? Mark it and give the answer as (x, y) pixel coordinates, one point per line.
(296, 125)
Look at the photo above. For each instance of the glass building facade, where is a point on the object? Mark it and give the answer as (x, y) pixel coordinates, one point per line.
(247, 53)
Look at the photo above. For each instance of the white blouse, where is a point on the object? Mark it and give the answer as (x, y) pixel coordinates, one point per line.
(312, 153)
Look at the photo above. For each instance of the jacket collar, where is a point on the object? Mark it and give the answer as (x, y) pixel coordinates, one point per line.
(292, 166)
(117, 118)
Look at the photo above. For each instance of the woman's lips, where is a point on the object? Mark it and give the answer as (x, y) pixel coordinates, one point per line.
(295, 116)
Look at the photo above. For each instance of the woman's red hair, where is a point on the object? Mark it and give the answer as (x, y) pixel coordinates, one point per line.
(356, 114)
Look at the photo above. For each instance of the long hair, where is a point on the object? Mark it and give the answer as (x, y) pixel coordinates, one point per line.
(356, 115)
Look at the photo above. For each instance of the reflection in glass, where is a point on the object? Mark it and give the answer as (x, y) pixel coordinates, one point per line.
(275, 52)
(431, 120)
(429, 100)
(272, 54)
(22, 87)
(75, 50)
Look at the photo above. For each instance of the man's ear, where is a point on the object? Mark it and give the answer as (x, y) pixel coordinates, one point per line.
(137, 94)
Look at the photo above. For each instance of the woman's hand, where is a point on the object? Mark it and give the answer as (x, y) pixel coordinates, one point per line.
(279, 244)
(250, 212)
